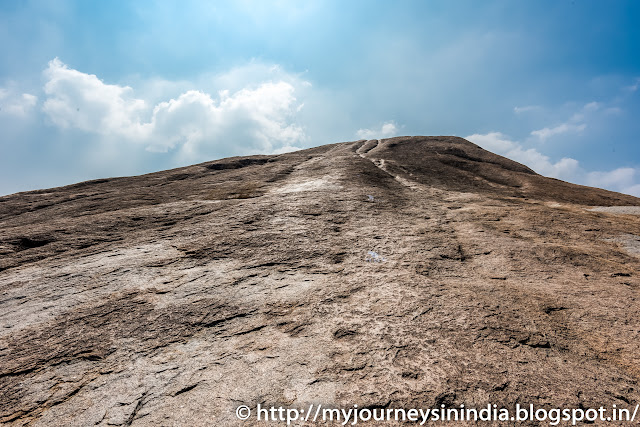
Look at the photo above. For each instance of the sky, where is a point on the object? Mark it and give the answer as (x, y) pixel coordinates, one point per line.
(93, 89)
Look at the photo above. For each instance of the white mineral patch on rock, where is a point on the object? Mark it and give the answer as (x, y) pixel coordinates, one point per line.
(629, 242)
(629, 210)
(322, 184)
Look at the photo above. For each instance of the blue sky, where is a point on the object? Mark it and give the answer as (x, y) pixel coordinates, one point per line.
(92, 89)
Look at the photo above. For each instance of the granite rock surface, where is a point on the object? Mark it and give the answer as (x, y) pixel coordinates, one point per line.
(171, 298)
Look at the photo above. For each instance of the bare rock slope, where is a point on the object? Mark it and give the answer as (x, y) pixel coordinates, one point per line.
(406, 272)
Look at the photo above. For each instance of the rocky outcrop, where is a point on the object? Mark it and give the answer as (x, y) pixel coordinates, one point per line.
(174, 297)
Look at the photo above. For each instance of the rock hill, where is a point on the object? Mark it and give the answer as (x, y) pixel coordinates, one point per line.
(397, 273)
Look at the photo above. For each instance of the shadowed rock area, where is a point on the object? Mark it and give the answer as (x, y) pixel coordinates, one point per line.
(171, 298)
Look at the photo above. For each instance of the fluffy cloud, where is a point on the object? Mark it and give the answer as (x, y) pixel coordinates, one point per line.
(634, 190)
(624, 180)
(387, 130)
(197, 124)
(546, 133)
(256, 119)
(83, 101)
(574, 125)
(16, 104)
(498, 143)
(620, 176)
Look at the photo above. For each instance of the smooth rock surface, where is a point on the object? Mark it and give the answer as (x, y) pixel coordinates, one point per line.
(172, 298)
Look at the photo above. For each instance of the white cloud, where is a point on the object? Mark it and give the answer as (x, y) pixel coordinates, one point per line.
(575, 124)
(613, 110)
(592, 106)
(621, 177)
(82, 101)
(634, 87)
(546, 133)
(498, 143)
(16, 104)
(634, 190)
(624, 180)
(387, 130)
(526, 109)
(252, 119)
(257, 119)
(286, 149)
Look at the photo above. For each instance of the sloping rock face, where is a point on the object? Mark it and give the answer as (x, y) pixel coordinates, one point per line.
(406, 272)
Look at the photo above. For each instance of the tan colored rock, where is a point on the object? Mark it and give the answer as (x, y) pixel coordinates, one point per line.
(174, 297)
